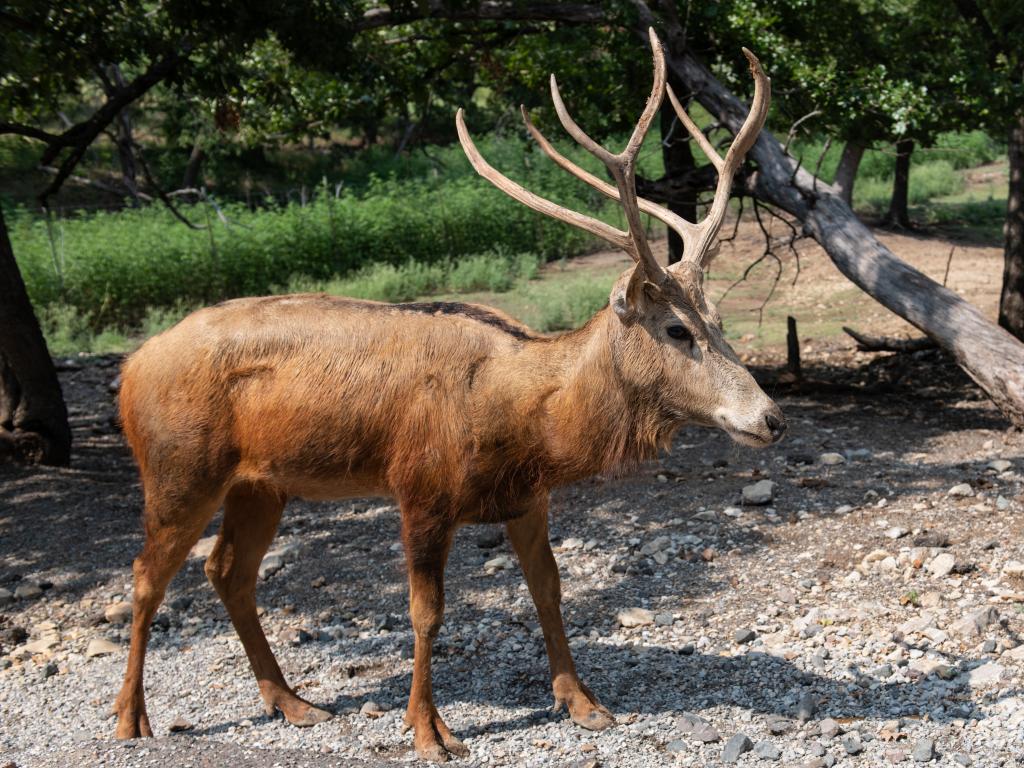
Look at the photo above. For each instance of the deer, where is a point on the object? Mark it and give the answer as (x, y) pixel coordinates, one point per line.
(458, 412)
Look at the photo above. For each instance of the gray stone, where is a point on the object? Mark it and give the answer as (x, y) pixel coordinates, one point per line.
(676, 746)
(805, 707)
(371, 709)
(697, 728)
(766, 750)
(924, 751)
(743, 636)
(28, 591)
(118, 613)
(48, 670)
(852, 743)
(761, 492)
(829, 728)
(636, 617)
(179, 724)
(962, 759)
(1000, 465)
(99, 646)
(664, 620)
(735, 747)
(831, 459)
(6, 597)
(990, 673)
(942, 565)
(295, 636)
(961, 489)
(974, 623)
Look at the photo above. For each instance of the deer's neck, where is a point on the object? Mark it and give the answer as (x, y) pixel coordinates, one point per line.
(588, 419)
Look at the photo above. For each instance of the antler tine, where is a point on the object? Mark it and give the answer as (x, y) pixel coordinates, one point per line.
(616, 237)
(744, 140)
(623, 165)
(683, 228)
(702, 141)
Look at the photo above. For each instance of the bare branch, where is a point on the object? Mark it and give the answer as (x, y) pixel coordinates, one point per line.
(867, 343)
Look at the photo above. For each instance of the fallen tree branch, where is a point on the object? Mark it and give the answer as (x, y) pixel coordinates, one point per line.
(888, 343)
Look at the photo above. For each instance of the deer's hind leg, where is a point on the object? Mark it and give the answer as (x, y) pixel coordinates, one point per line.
(251, 517)
(173, 524)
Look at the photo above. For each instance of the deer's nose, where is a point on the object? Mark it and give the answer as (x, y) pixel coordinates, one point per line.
(776, 425)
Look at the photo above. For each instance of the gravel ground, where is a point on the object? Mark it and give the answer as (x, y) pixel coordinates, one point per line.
(870, 613)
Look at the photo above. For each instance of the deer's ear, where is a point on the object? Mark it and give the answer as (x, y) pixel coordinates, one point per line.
(631, 293)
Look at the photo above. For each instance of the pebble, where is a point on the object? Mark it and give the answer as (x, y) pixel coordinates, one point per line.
(806, 707)
(743, 636)
(28, 591)
(1000, 465)
(6, 597)
(766, 750)
(636, 617)
(760, 493)
(118, 613)
(294, 636)
(961, 489)
(852, 743)
(676, 746)
(99, 646)
(179, 724)
(499, 563)
(924, 751)
(989, 673)
(735, 747)
(371, 709)
(697, 728)
(896, 532)
(975, 622)
(831, 459)
(829, 728)
(941, 565)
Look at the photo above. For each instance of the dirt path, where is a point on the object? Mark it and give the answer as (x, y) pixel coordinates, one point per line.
(824, 627)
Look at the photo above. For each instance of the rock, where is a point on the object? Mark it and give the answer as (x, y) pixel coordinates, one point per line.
(318, 582)
(499, 563)
(118, 613)
(1013, 568)
(664, 620)
(989, 673)
(636, 617)
(28, 591)
(707, 516)
(46, 643)
(657, 545)
(272, 563)
(490, 538)
(1000, 465)
(676, 746)
(779, 725)
(371, 709)
(941, 565)
(805, 706)
(962, 490)
(179, 724)
(896, 532)
(697, 728)
(572, 543)
(766, 750)
(975, 623)
(786, 595)
(852, 743)
(743, 636)
(924, 751)
(761, 492)
(831, 459)
(295, 636)
(203, 548)
(829, 728)
(735, 747)
(99, 646)
(1002, 504)
(48, 670)
(6, 597)
(962, 759)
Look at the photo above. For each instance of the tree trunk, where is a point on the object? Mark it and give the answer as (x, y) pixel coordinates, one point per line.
(846, 173)
(991, 357)
(125, 140)
(1011, 300)
(899, 211)
(33, 418)
(678, 160)
(193, 167)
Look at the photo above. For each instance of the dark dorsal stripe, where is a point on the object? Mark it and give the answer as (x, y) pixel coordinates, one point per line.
(479, 314)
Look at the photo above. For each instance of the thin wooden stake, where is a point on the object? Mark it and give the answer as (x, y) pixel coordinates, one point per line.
(792, 348)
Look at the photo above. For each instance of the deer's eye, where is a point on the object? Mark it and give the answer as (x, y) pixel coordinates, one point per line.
(678, 332)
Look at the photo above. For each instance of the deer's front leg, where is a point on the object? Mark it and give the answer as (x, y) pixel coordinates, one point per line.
(426, 556)
(529, 537)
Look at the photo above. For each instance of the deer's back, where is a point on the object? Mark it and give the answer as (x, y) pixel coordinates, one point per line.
(317, 396)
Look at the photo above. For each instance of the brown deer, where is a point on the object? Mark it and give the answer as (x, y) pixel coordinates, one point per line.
(457, 411)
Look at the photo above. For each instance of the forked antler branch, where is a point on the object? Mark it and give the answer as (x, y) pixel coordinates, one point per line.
(696, 238)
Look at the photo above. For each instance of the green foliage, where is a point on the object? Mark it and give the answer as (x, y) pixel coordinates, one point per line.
(570, 303)
(113, 267)
(928, 181)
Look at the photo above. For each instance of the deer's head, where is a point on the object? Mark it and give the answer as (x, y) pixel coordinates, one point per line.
(667, 340)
